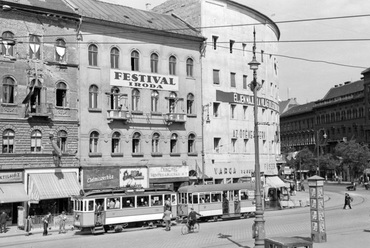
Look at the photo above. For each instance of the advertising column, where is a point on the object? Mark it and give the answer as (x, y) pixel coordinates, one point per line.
(318, 230)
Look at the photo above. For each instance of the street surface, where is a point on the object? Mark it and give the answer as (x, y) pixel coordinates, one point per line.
(345, 228)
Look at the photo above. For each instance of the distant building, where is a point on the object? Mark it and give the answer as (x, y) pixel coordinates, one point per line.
(287, 104)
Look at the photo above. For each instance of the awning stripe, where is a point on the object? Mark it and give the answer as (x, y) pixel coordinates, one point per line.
(53, 185)
(12, 192)
(274, 182)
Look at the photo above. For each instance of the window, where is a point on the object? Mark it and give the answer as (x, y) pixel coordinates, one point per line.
(154, 98)
(34, 51)
(36, 141)
(216, 76)
(191, 143)
(189, 67)
(136, 143)
(93, 97)
(245, 83)
(232, 111)
(61, 95)
(60, 50)
(93, 55)
(262, 52)
(116, 142)
(8, 141)
(245, 112)
(114, 58)
(135, 99)
(214, 40)
(217, 144)
(8, 90)
(172, 100)
(62, 140)
(189, 104)
(7, 43)
(173, 143)
(231, 45)
(114, 98)
(244, 47)
(233, 145)
(216, 107)
(94, 142)
(155, 143)
(232, 80)
(154, 63)
(35, 99)
(245, 145)
(172, 65)
(135, 61)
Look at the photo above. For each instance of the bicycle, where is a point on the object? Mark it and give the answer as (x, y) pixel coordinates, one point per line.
(185, 229)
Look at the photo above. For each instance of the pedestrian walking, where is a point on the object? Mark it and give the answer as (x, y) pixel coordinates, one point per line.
(3, 219)
(62, 222)
(45, 221)
(167, 219)
(28, 225)
(347, 201)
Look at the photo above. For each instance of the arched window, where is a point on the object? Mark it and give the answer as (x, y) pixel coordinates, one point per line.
(114, 58)
(190, 104)
(93, 55)
(136, 143)
(191, 143)
(61, 95)
(7, 43)
(94, 142)
(35, 44)
(154, 98)
(135, 61)
(36, 138)
(172, 65)
(173, 143)
(135, 99)
(93, 96)
(8, 90)
(355, 113)
(8, 141)
(116, 137)
(172, 102)
(154, 63)
(155, 143)
(189, 67)
(60, 50)
(114, 98)
(62, 140)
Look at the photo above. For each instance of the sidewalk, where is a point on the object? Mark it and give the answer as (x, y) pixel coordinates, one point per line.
(15, 231)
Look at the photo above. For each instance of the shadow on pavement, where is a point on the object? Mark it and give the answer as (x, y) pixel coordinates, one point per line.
(228, 237)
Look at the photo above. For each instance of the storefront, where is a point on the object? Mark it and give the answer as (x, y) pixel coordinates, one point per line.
(50, 190)
(168, 176)
(12, 194)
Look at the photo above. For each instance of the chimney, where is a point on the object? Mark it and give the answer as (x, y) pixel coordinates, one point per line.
(148, 5)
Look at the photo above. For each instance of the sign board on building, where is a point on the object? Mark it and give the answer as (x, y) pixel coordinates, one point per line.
(11, 177)
(168, 172)
(101, 178)
(134, 177)
(135, 79)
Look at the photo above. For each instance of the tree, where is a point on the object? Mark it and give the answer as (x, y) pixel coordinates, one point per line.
(354, 156)
(301, 160)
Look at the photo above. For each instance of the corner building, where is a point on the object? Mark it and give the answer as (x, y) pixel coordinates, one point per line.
(227, 101)
(140, 97)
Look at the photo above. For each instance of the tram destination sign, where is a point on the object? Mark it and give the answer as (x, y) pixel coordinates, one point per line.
(151, 81)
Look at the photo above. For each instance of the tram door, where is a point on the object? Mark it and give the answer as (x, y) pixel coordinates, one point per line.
(228, 206)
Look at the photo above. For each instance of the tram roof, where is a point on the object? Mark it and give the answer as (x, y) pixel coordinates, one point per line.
(215, 187)
(123, 191)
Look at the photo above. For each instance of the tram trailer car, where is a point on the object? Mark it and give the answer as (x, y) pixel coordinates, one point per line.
(104, 210)
(215, 201)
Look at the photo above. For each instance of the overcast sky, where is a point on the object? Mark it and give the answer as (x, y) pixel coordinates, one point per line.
(305, 80)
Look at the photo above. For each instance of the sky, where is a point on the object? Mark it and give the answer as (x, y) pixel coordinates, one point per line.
(302, 78)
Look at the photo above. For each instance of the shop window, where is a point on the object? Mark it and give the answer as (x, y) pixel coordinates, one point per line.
(34, 50)
(62, 140)
(60, 50)
(135, 59)
(94, 142)
(114, 58)
(36, 138)
(93, 55)
(8, 141)
(61, 95)
(93, 96)
(154, 63)
(8, 90)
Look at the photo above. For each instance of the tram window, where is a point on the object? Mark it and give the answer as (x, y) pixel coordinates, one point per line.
(142, 201)
(195, 199)
(128, 202)
(236, 195)
(243, 195)
(156, 200)
(190, 200)
(207, 197)
(204, 197)
(183, 198)
(173, 199)
(99, 202)
(216, 197)
(84, 205)
(91, 205)
(111, 203)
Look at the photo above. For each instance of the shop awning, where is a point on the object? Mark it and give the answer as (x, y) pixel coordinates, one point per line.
(13, 192)
(274, 182)
(53, 186)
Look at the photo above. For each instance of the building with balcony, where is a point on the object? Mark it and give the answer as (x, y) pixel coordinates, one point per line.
(38, 107)
(227, 100)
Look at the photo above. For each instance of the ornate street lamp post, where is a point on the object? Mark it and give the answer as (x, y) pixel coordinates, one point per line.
(259, 223)
(318, 148)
